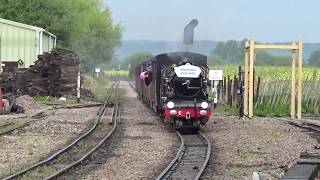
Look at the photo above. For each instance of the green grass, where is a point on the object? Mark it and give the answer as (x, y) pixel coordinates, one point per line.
(43, 99)
(273, 78)
(269, 73)
(97, 85)
(53, 100)
(227, 110)
(116, 75)
(280, 108)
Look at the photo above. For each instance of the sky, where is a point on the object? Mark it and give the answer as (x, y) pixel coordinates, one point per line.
(219, 20)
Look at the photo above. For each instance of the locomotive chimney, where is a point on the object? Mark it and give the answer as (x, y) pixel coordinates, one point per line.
(189, 34)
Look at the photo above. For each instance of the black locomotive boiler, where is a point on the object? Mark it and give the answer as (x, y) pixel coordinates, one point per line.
(175, 85)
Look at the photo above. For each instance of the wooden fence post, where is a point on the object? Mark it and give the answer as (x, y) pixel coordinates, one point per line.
(299, 109)
(251, 66)
(246, 78)
(257, 90)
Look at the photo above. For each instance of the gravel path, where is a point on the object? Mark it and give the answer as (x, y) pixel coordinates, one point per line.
(264, 145)
(34, 142)
(145, 147)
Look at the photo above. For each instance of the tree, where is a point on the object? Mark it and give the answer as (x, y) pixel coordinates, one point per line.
(264, 58)
(51, 15)
(314, 59)
(83, 25)
(135, 59)
(230, 52)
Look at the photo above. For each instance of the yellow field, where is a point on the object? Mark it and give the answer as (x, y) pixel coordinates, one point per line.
(113, 73)
(272, 72)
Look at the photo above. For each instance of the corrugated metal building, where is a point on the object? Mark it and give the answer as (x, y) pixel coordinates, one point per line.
(23, 42)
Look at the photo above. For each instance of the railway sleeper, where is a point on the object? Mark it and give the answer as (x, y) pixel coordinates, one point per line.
(307, 167)
(302, 172)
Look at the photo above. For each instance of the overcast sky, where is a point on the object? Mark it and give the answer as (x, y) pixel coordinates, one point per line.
(266, 20)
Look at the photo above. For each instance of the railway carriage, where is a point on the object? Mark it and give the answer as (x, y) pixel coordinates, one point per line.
(175, 86)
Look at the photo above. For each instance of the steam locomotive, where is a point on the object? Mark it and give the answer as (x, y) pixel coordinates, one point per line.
(175, 86)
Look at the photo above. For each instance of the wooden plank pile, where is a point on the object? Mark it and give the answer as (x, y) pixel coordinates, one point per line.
(53, 74)
(7, 76)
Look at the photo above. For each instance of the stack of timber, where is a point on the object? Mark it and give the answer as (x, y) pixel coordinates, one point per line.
(53, 74)
(7, 76)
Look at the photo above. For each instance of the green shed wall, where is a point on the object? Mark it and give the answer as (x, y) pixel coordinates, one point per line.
(45, 43)
(22, 41)
(18, 43)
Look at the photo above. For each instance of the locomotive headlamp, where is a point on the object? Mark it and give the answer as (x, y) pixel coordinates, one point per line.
(204, 105)
(170, 104)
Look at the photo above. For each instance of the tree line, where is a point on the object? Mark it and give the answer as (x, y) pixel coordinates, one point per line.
(82, 25)
(232, 52)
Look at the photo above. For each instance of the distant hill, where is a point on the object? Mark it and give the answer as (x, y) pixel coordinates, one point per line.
(157, 47)
(203, 47)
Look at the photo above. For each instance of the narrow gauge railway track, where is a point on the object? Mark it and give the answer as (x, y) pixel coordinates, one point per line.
(9, 127)
(191, 159)
(61, 106)
(72, 155)
(308, 166)
(306, 125)
(20, 122)
(132, 85)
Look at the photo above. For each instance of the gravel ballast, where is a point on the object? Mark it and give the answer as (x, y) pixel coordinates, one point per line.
(45, 135)
(265, 145)
(145, 147)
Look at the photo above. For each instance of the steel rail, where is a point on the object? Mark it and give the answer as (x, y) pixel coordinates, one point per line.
(180, 153)
(174, 160)
(207, 141)
(174, 163)
(115, 117)
(21, 125)
(132, 85)
(66, 148)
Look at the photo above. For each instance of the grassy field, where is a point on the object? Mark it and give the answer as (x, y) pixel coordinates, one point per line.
(116, 74)
(272, 97)
(271, 73)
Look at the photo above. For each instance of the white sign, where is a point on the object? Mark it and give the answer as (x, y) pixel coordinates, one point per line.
(97, 70)
(187, 70)
(215, 75)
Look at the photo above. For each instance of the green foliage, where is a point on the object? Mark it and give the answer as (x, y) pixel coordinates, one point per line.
(271, 73)
(115, 64)
(264, 58)
(83, 25)
(279, 109)
(232, 52)
(314, 59)
(266, 108)
(43, 99)
(274, 91)
(135, 59)
(116, 75)
(98, 86)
